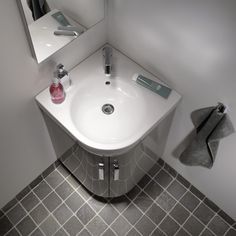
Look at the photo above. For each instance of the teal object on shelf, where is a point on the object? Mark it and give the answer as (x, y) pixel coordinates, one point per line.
(154, 86)
(61, 19)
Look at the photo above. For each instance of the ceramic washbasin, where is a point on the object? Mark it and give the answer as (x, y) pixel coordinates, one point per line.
(137, 110)
(103, 112)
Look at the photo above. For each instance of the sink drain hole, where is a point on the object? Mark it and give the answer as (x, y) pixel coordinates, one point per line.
(107, 82)
(108, 109)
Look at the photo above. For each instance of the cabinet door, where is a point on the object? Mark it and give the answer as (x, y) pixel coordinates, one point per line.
(126, 170)
(91, 170)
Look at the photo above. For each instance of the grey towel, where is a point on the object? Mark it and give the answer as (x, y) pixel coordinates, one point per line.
(211, 124)
(38, 8)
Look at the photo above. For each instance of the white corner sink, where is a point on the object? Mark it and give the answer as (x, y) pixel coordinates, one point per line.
(137, 110)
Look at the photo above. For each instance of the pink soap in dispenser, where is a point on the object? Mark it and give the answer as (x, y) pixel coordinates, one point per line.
(57, 91)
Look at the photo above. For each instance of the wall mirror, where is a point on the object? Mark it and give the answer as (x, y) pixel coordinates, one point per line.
(52, 24)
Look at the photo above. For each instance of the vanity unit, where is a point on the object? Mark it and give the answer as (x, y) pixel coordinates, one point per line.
(120, 126)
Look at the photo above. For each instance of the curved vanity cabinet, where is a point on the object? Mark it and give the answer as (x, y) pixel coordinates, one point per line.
(113, 176)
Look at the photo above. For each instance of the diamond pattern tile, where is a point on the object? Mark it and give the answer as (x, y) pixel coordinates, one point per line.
(163, 203)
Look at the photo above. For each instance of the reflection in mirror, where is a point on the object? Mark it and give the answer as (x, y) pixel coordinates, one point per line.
(52, 24)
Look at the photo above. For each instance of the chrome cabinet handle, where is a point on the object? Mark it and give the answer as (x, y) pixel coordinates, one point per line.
(116, 170)
(101, 171)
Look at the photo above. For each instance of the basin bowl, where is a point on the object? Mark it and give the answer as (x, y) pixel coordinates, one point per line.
(124, 113)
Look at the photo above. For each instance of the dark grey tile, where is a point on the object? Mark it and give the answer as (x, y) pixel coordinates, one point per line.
(226, 217)
(61, 232)
(49, 226)
(1, 213)
(35, 182)
(9, 205)
(52, 201)
(207, 232)
(153, 189)
(96, 226)
(197, 193)
(121, 226)
(143, 201)
(193, 226)
(132, 194)
(62, 213)
(170, 170)
(231, 232)
(63, 171)
(169, 226)
(176, 189)
(26, 226)
(30, 201)
(132, 214)
(218, 226)
(155, 213)
(39, 213)
(57, 163)
(73, 226)
(154, 170)
(144, 181)
(6, 225)
(120, 203)
(42, 190)
(190, 201)
(109, 232)
(183, 181)
(85, 213)
(84, 193)
(160, 162)
(165, 201)
(64, 190)
(48, 171)
(54, 179)
(182, 232)
(163, 178)
(74, 202)
(108, 213)
(145, 226)
(204, 213)
(157, 232)
(133, 232)
(16, 214)
(23, 193)
(211, 205)
(180, 214)
(73, 182)
(37, 232)
(85, 232)
(13, 232)
(97, 203)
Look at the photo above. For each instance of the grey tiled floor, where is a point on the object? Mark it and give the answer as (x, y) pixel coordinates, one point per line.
(163, 203)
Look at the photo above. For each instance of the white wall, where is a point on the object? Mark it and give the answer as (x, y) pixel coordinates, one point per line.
(25, 146)
(191, 45)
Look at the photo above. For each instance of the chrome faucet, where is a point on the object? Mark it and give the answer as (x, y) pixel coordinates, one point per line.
(61, 72)
(107, 55)
(63, 75)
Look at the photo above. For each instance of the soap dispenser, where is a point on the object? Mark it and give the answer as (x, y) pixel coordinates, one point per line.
(56, 90)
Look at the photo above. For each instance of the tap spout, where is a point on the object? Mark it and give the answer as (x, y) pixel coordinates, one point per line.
(107, 55)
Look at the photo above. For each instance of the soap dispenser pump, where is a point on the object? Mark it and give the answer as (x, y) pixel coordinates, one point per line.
(56, 90)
